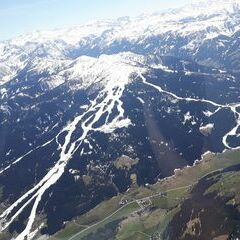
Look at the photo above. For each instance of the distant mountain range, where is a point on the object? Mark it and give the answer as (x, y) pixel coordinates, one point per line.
(158, 90)
(206, 32)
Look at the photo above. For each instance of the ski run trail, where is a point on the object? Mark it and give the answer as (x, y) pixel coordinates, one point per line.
(108, 100)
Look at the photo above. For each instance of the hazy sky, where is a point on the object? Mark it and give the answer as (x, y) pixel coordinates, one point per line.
(21, 16)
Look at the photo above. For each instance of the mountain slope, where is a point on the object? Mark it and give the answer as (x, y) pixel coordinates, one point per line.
(192, 204)
(151, 93)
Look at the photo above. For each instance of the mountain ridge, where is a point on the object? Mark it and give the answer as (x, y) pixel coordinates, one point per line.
(153, 33)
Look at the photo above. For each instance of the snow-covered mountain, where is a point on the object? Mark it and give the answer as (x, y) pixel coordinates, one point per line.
(182, 32)
(161, 89)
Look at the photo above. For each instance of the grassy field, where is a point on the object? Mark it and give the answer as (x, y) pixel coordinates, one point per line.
(227, 185)
(132, 222)
(106, 213)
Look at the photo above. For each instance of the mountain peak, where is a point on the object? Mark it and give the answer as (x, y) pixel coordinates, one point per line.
(215, 6)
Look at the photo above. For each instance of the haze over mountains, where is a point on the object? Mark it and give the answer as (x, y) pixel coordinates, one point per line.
(161, 89)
